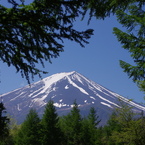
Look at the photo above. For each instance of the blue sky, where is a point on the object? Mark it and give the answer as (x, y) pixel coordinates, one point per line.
(98, 61)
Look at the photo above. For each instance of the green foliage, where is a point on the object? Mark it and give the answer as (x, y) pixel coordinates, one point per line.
(71, 126)
(133, 134)
(29, 130)
(78, 130)
(112, 126)
(50, 131)
(93, 118)
(34, 33)
(4, 124)
(133, 40)
(123, 128)
(89, 128)
(124, 113)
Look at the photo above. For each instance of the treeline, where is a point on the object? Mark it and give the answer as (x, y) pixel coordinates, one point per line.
(123, 128)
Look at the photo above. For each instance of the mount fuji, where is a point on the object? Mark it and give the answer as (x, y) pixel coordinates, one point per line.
(63, 89)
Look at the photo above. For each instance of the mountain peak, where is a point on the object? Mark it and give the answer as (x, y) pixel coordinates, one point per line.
(66, 73)
(72, 72)
(63, 88)
(56, 77)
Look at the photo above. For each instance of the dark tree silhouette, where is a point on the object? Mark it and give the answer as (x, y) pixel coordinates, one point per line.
(4, 122)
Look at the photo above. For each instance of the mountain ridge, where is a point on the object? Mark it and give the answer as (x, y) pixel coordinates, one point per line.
(63, 89)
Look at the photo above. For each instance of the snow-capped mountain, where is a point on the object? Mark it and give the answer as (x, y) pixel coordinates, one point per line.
(63, 89)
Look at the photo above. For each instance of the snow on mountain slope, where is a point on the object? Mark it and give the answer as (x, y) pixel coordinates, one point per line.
(63, 89)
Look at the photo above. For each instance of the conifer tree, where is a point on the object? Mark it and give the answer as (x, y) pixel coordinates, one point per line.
(35, 33)
(50, 132)
(28, 133)
(4, 124)
(72, 126)
(85, 131)
(133, 40)
(93, 118)
(112, 126)
(119, 129)
(89, 126)
(93, 123)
